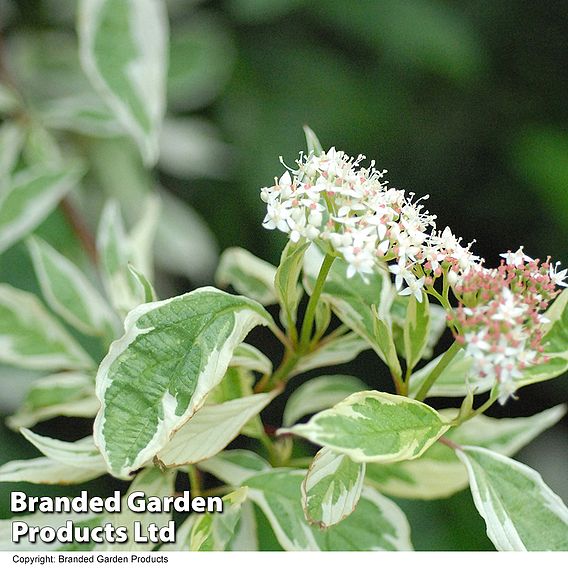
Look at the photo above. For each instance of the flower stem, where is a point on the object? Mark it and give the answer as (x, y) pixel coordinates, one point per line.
(308, 322)
(194, 481)
(438, 369)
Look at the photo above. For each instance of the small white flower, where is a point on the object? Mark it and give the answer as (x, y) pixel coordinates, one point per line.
(516, 258)
(414, 288)
(558, 278)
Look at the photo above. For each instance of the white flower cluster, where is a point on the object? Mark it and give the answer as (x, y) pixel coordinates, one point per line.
(332, 198)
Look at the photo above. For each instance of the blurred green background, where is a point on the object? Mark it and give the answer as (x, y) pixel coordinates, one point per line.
(464, 101)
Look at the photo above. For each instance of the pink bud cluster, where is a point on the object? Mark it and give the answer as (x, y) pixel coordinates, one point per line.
(500, 316)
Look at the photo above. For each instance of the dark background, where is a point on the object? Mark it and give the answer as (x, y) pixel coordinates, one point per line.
(464, 101)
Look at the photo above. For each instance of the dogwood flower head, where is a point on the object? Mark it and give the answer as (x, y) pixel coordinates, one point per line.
(501, 315)
(332, 198)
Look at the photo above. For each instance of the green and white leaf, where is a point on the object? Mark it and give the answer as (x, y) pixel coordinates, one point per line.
(353, 299)
(318, 394)
(69, 293)
(211, 429)
(234, 467)
(142, 236)
(30, 197)
(157, 375)
(214, 531)
(286, 281)
(152, 482)
(332, 488)
(438, 473)
(332, 352)
(372, 426)
(62, 394)
(82, 453)
(124, 47)
(454, 381)
(11, 141)
(416, 330)
(248, 357)
(148, 294)
(245, 537)
(520, 511)
(115, 253)
(83, 114)
(312, 142)
(376, 524)
(31, 338)
(248, 275)
(47, 471)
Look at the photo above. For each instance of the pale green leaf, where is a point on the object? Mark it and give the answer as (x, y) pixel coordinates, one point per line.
(153, 483)
(69, 293)
(115, 253)
(184, 243)
(318, 394)
(332, 488)
(438, 473)
(154, 378)
(249, 357)
(247, 274)
(286, 280)
(214, 531)
(520, 511)
(82, 453)
(211, 429)
(416, 330)
(47, 471)
(30, 197)
(62, 394)
(31, 338)
(332, 352)
(11, 140)
(142, 236)
(353, 299)
(234, 467)
(372, 426)
(312, 142)
(124, 48)
(245, 537)
(83, 114)
(376, 524)
(148, 294)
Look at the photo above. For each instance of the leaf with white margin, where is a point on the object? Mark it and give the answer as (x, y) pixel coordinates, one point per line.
(54, 520)
(213, 532)
(210, 429)
(83, 114)
(82, 453)
(147, 290)
(372, 426)
(376, 524)
(47, 471)
(286, 281)
(312, 141)
(318, 394)
(332, 488)
(184, 243)
(454, 381)
(62, 394)
(555, 342)
(234, 467)
(246, 533)
(31, 338)
(157, 375)
(520, 511)
(247, 274)
(332, 352)
(438, 325)
(416, 329)
(11, 141)
(30, 197)
(123, 46)
(352, 299)
(69, 293)
(143, 235)
(152, 483)
(115, 253)
(438, 473)
(249, 357)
